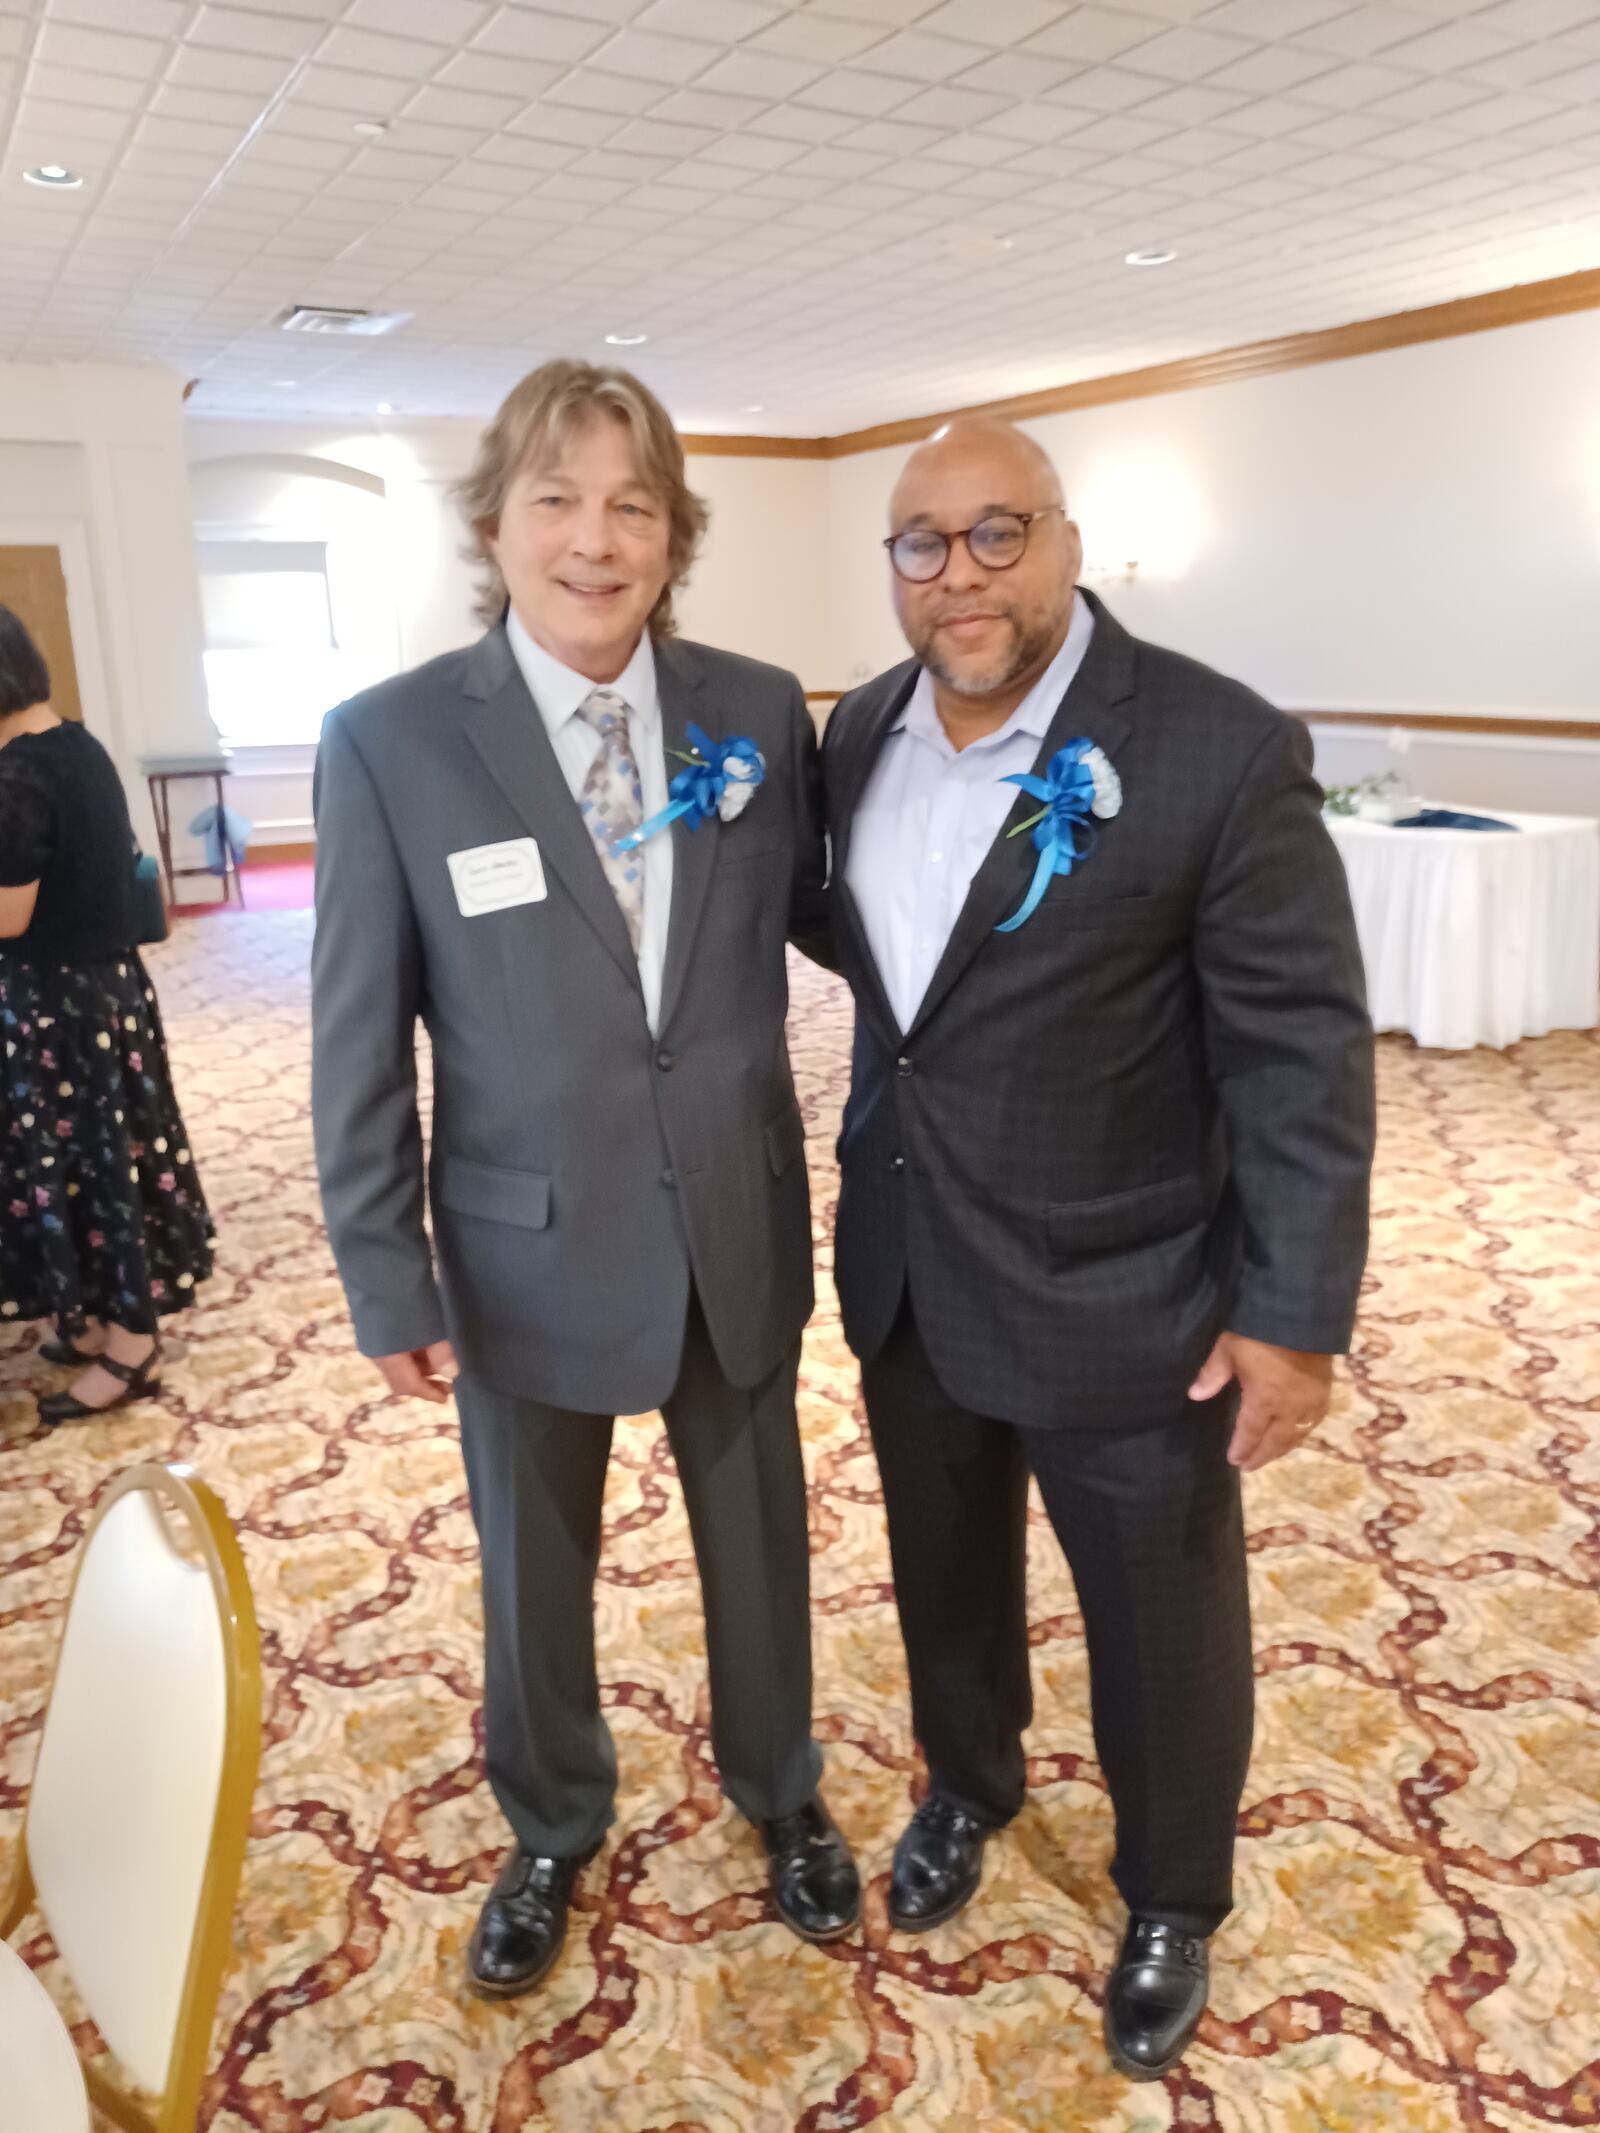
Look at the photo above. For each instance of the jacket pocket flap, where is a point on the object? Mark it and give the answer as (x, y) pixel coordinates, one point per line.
(786, 1140)
(1123, 1221)
(520, 1197)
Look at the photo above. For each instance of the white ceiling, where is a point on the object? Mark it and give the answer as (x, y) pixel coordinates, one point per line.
(804, 206)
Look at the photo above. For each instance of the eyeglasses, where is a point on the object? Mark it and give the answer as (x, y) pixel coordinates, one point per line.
(921, 553)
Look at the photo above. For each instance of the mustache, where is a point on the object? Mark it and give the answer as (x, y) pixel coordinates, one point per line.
(969, 614)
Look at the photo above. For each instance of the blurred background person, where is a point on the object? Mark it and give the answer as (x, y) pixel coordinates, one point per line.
(103, 1225)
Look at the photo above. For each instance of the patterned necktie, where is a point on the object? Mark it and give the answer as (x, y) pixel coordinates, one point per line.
(613, 804)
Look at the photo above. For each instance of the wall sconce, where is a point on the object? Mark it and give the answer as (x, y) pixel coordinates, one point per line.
(1097, 570)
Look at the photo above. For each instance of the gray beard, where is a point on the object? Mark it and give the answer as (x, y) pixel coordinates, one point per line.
(1028, 650)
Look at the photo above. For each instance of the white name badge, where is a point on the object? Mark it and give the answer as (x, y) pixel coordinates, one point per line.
(494, 877)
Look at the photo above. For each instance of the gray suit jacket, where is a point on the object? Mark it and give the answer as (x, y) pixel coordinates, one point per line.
(1145, 1116)
(582, 1173)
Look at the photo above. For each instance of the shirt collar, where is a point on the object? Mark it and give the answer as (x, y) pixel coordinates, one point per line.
(1032, 716)
(560, 692)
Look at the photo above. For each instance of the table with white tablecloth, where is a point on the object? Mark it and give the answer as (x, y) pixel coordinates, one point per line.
(1477, 936)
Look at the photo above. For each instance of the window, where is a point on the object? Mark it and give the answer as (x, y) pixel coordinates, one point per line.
(275, 663)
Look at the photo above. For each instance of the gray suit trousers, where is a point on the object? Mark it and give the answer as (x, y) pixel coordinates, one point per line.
(537, 1480)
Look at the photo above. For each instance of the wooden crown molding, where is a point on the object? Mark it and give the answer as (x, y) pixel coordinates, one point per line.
(1548, 729)
(1517, 306)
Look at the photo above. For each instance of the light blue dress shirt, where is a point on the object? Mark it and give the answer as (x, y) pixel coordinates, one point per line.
(929, 815)
(560, 694)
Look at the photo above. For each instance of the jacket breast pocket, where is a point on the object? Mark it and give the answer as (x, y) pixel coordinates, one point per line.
(1139, 908)
(737, 847)
(520, 1198)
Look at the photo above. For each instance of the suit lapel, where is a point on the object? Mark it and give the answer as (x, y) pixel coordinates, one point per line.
(858, 754)
(504, 726)
(679, 686)
(1094, 706)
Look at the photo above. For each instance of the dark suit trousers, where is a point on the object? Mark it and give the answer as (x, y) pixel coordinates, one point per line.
(1151, 1524)
(537, 1481)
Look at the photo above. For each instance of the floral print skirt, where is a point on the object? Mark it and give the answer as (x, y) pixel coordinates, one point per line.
(101, 1212)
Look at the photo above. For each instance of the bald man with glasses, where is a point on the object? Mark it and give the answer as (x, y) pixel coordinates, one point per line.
(1103, 1211)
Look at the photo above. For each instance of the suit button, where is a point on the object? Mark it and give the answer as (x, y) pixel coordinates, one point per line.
(904, 1069)
(669, 1177)
(665, 1060)
(897, 1164)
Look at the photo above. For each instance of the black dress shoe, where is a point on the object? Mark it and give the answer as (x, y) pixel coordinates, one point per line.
(141, 1383)
(811, 1873)
(938, 1864)
(1154, 1999)
(523, 1924)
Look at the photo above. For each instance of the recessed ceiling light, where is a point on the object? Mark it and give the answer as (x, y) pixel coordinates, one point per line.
(756, 407)
(54, 176)
(384, 408)
(1153, 258)
(371, 129)
(626, 340)
(287, 385)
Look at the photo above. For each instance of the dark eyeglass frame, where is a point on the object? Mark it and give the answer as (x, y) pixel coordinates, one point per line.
(1024, 519)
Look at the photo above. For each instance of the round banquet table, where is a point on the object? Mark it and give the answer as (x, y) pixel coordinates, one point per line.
(1477, 936)
(41, 2084)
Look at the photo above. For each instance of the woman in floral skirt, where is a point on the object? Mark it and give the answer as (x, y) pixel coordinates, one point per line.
(103, 1226)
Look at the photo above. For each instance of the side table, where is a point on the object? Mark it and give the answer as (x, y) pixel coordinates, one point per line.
(165, 771)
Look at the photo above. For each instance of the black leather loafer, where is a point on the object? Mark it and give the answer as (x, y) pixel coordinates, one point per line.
(523, 1924)
(1154, 1999)
(811, 1873)
(938, 1864)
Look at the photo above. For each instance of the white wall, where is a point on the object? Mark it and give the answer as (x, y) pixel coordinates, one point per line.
(1417, 531)
(1412, 531)
(92, 461)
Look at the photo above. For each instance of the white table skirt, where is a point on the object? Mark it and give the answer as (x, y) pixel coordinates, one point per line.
(1477, 936)
(41, 2087)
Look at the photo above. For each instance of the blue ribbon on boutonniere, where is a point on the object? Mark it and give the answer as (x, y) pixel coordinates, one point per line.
(1078, 788)
(719, 778)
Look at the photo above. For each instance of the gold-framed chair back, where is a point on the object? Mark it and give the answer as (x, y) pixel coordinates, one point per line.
(134, 1833)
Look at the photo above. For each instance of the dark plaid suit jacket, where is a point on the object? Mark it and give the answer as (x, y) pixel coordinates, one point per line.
(1148, 1115)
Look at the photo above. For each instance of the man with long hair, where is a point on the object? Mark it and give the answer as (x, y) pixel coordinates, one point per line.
(617, 1183)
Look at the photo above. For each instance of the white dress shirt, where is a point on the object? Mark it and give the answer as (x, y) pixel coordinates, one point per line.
(929, 814)
(560, 694)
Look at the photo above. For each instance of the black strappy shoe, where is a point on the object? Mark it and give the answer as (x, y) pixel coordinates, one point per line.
(63, 1354)
(58, 1407)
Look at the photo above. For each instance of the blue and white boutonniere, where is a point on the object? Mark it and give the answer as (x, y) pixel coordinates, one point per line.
(720, 778)
(1079, 789)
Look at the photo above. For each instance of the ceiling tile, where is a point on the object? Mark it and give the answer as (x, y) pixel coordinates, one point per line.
(916, 57)
(823, 38)
(100, 51)
(543, 36)
(726, 20)
(446, 22)
(244, 30)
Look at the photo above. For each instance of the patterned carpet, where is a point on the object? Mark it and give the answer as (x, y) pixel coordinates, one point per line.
(1417, 1943)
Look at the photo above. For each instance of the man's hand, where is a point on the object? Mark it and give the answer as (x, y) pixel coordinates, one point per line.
(421, 1373)
(1283, 1396)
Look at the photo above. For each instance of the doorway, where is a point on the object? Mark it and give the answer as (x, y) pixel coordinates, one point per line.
(34, 586)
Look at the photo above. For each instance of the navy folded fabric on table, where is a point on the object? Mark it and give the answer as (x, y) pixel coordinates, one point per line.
(1446, 818)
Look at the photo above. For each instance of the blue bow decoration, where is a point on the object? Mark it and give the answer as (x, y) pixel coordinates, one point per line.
(1068, 792)
(716, 770)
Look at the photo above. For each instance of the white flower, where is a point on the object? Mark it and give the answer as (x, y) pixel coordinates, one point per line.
(1107, 785)
(740, 779)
